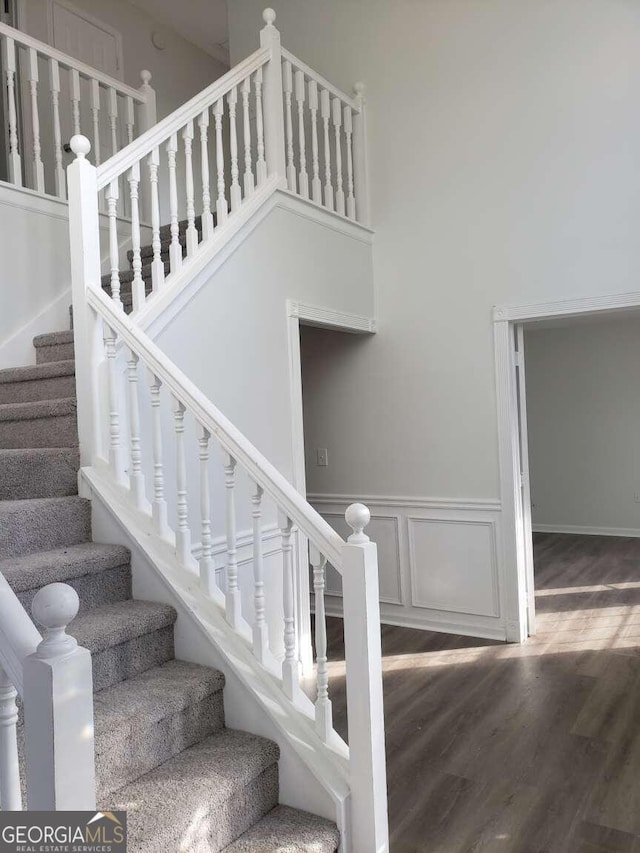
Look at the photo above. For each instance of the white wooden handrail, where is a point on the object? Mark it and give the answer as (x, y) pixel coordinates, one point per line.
(19, 637)
(322, 82)
(160, 132)
(231, 439)
(69, 62)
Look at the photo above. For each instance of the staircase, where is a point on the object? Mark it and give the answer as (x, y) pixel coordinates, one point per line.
(162, 751)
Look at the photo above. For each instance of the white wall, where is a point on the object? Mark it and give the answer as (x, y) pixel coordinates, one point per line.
(503, 145)
(583, 400)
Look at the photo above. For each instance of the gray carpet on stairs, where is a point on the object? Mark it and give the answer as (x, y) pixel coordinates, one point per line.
(43, 472)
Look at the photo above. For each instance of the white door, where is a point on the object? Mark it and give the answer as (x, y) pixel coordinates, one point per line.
(86, 39)
(525, 521)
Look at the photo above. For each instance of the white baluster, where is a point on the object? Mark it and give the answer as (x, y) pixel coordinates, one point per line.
(360, 164)
(316, 186)
(324, 713)
(95, 118)
(33, 77)
(207, 216)
(290, 665)
(15, 162)
(113, 120)
(207, 565)
(129, 118)
(159, 504)
(287, 84)
(337, 124)
(10, 793)
(248, 182)
(261, 163)
(235, 190)
(136, 477)
(221, 202)
(325, 110)
(54, 85)
(137, 285)
(348, 132)
(183, 534)
(232, 596)
(111, 194)
(175, 249)
(157, 264)
(303, 177)
(116, 458)
(260, 627)
(75, 101)
(192, 233)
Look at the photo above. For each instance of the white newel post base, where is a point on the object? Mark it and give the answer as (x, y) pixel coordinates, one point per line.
(10, 793)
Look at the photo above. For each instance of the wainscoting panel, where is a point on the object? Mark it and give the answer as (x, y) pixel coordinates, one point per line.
(439, 561)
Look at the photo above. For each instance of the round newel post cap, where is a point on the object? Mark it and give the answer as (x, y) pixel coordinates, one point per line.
(269, 16)
(359, 89)
(145, 76)
(54, 607)
(80, 146)
(358, 516)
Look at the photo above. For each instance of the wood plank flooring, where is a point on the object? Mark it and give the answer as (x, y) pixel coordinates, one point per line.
(495, 747)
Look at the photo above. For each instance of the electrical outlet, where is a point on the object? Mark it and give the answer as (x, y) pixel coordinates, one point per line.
(322, 457)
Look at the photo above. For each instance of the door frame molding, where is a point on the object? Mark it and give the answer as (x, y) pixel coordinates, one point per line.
(505, 319)
(91, 19)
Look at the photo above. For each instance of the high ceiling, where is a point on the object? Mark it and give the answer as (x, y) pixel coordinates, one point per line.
(202, 22)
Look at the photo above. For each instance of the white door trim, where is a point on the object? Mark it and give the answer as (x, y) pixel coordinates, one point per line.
(97, 22)
(505, 319)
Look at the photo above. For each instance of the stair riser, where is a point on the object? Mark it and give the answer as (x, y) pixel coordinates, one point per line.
(56, 388)
(118, 663)
(24, 529)
(39, 476)
(124, 756)
(56, 431)
(57, 352)
(107, 587)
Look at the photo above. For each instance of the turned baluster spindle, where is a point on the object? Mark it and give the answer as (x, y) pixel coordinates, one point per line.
(136, 477)
(192, 233)
(207, 216)
(157, 264)
(175, 249)
(111, 194)
(261, 163)
(75, 102)
(325, 111)
(290, 665)
(15, 161)
(183, 534)
(116, 455)
(159, 504)
(232, 594)
(221, 201)
(33, 78)
(207, 564)
(260, 627)
(287, 84)
(10, 792)
(235, 190)
(303, 178)
(95, 119)
(324, 714)
(316, 185)
(113, 119)
(137, 285)
(247, 178)
(337, 125)
(129, 118)
(348, 132)
(54, 87)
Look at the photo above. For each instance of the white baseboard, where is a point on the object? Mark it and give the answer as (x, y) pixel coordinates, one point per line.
(579, 530)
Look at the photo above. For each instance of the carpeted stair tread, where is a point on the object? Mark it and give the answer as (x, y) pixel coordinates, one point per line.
(41, 423)
(114, 624)
(41, 524)
(204, 798)
(37, 409)
(287, 830)
(49, 381)
(32, 571)
(54, 346)
(32, 372)
(126, 277)
(51, 339)
(41, 472)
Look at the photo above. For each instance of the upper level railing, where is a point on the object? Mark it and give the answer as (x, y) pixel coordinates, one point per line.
(51, 97)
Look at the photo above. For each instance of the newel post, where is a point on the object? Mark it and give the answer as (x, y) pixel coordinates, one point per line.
(360, 157)
(147, 118)
(363, 656)
(58, 709)
(272, 99)
(84, 237)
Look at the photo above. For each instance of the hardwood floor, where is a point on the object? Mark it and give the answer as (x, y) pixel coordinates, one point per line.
(495, 747)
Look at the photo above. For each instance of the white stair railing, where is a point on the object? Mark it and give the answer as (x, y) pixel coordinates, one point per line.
(53, 678)
(40, 80)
